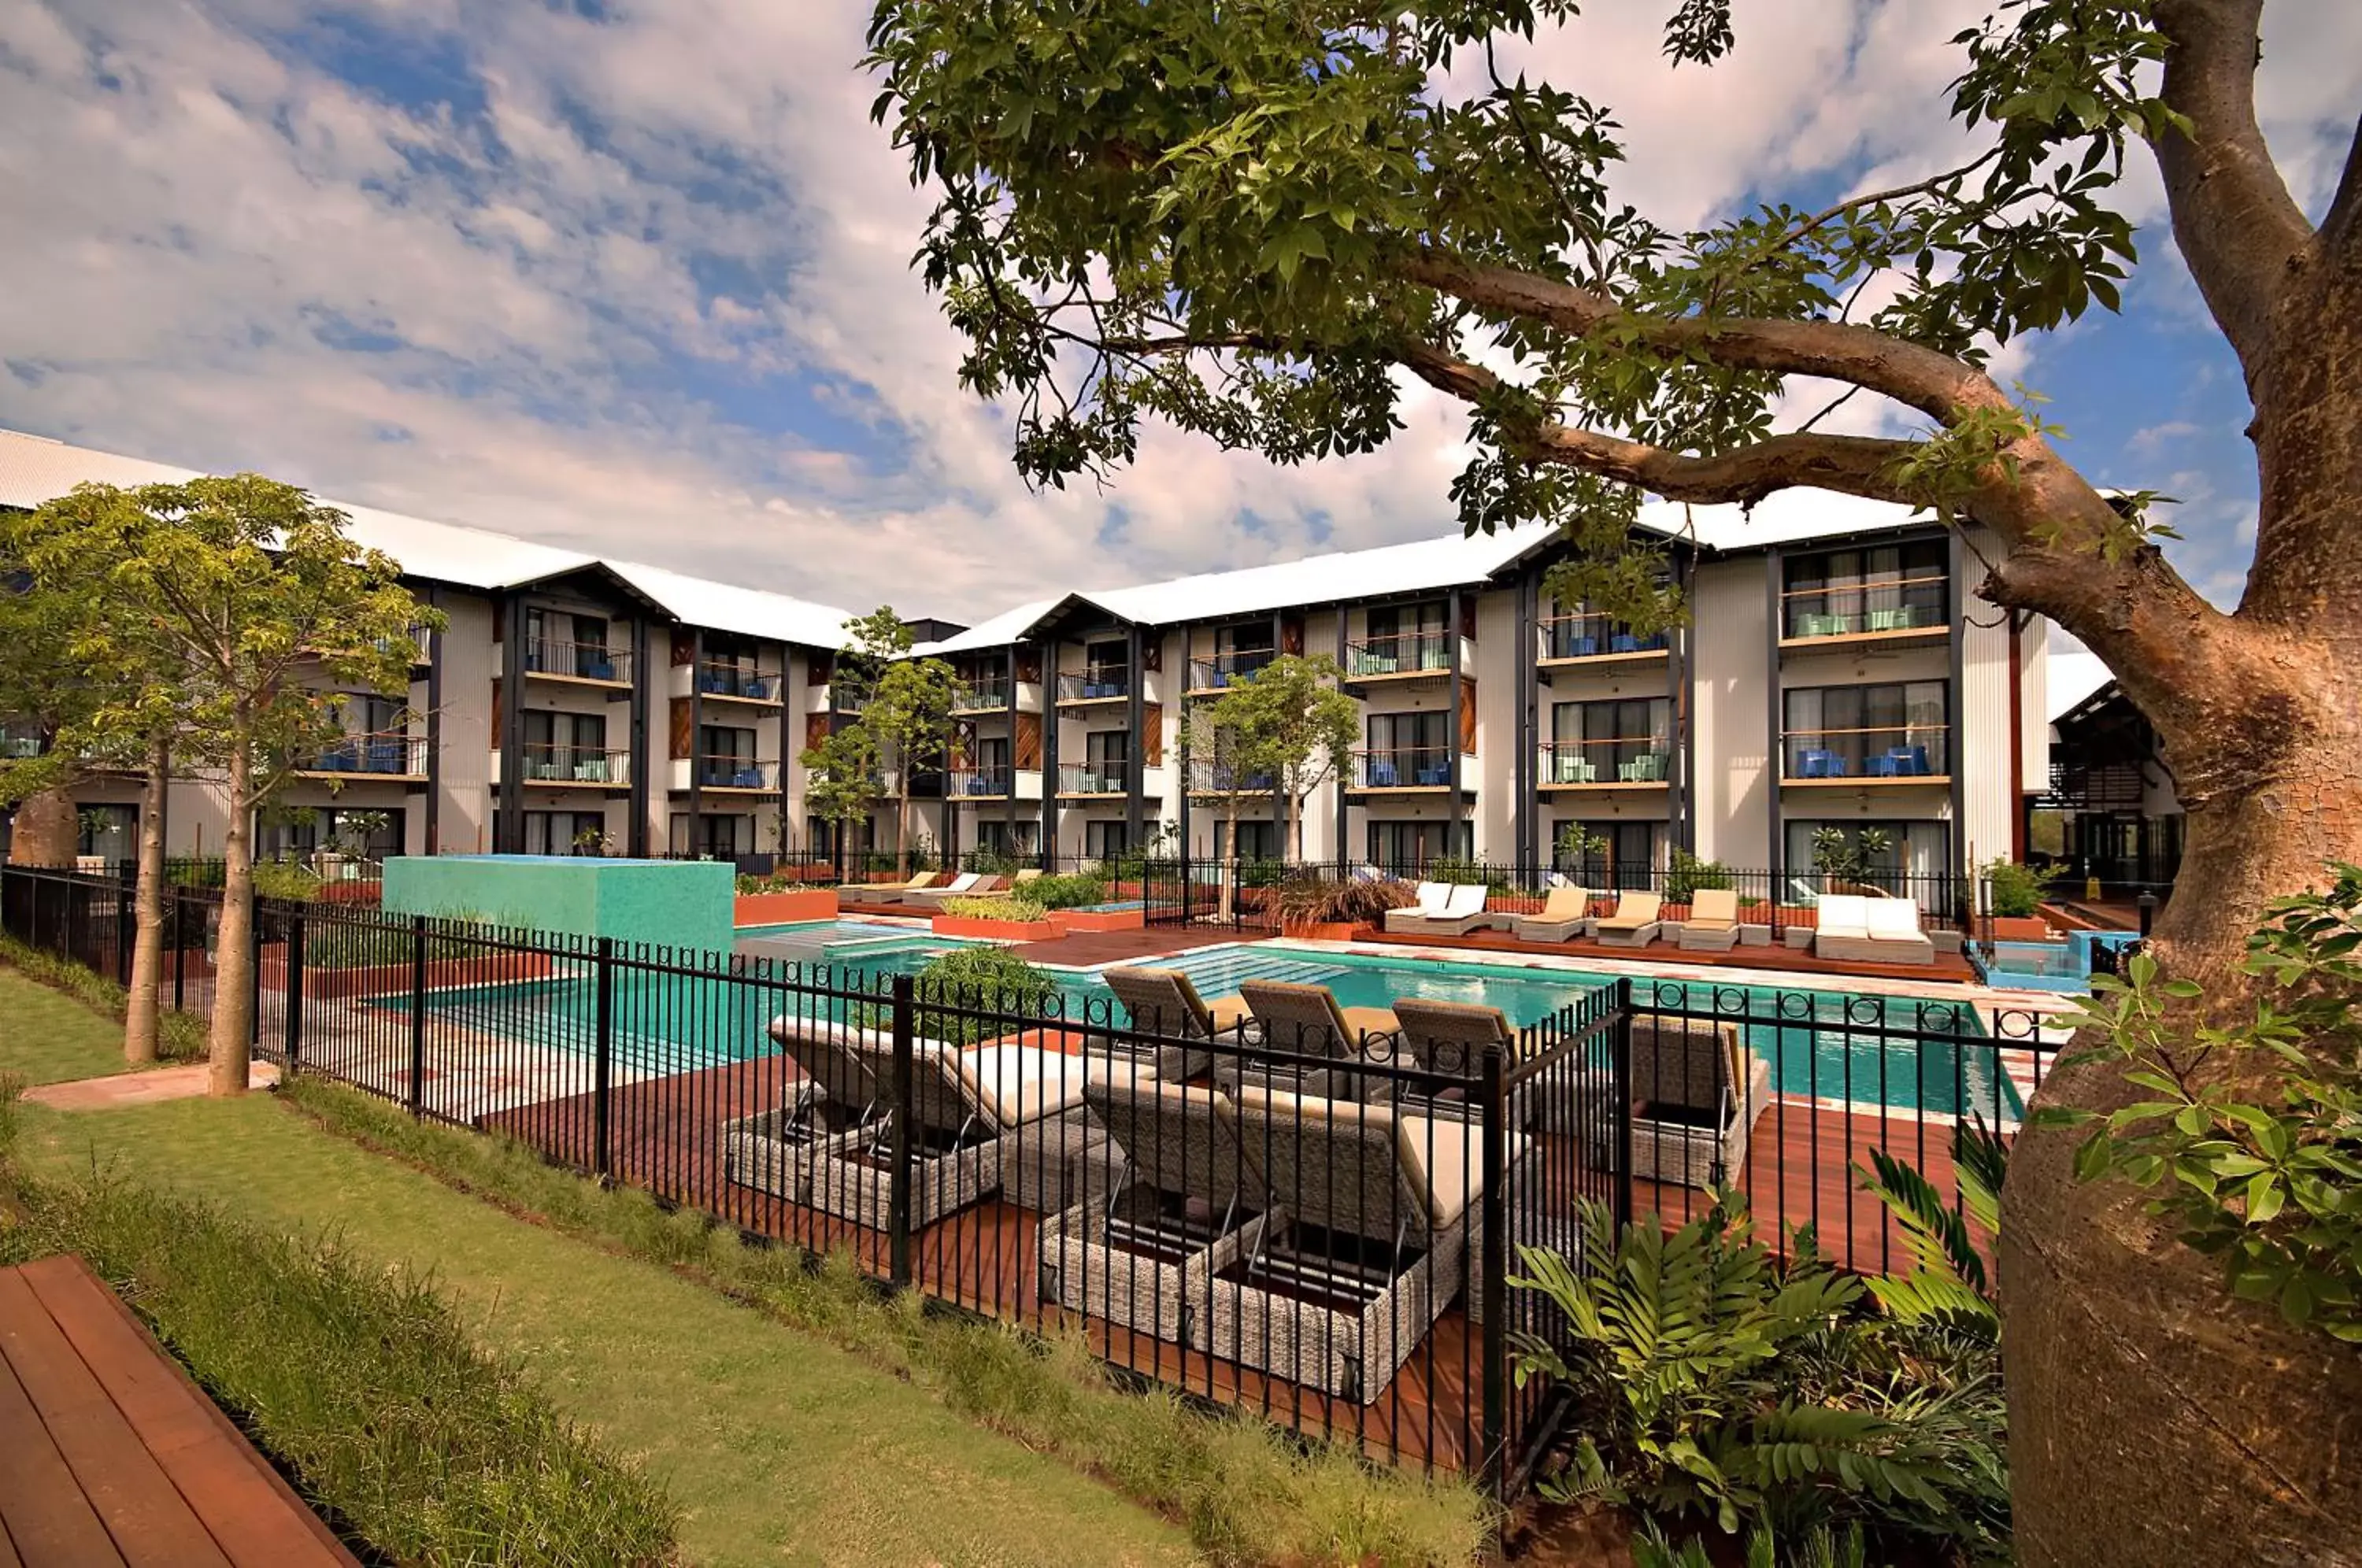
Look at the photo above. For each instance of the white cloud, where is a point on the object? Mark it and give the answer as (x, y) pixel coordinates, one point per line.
(571, 317)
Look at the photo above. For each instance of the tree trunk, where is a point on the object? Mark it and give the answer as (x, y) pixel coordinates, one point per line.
(2153, 1418)
(902, 827)
(229, 1042)
(46, 832)
(142, 1009)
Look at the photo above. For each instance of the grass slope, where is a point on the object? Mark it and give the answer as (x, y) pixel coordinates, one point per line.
(781, 1450)
(47, 1037)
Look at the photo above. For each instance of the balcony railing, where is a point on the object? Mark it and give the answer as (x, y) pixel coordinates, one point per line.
(1094, 778)
(1894, 751)
(1412, 653)
(980, 696)
(720, 679)
(1095, 686)
(1637, 759)
(392, 756)
(985, 783)
(573, 765)
(1220, 779)
(1846, 610)
(1403, 768)
(1594, 637)
(580, 661)
(846, 698)
(1227, 669)
(19, 748)
(736, 773)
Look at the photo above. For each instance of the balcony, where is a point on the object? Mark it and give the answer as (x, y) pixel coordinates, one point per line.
(729, 775)
(1403, 768)
(1906, 609)
(981, 696)
(1897, 754)
(1215, 675)
(17, 746)
(1219, 778)
(1615, 763)
(1413, 656)
(1576, 639)
(1093, 778)
(735, 683)
(973, 783)
(1102, 685)
(591, 663)
(567, 768)
(389, 755)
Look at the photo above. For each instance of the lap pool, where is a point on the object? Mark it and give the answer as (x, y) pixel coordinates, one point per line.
(1837, 1045)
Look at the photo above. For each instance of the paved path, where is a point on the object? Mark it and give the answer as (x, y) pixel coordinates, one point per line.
(140, 1088)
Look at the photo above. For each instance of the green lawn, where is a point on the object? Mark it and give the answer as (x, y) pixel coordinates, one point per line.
(47, 1037)
(781, 1448)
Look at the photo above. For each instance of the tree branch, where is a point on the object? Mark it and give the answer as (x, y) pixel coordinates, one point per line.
(1934, 383)
(2343, 226)
(1853, 465)
(2238, 228)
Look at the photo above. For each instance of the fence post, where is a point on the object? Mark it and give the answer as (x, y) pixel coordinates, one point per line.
(126, 918)
(2147, 903)
(901, 1145)
(1619, 1099)
(295, 1042)
(1494, 1286)
(254, 914)
(417, 1015)
(181, 949)
(603, 1073)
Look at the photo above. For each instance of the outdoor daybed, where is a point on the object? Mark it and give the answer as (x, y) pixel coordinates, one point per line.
(1850, 928)
(1696, 1093)
(1460, 910)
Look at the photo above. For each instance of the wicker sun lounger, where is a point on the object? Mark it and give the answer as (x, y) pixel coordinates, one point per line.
(837, 1093)
(1369, 1241)
(1712, 925)
(1164, 1003)
(1185, 1200)
(1564, 916)
(1696, 1093)
(1634, 923)
(1851, 928)
(1298, 1020)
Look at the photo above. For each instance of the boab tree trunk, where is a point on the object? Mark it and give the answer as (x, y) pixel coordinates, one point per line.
(46, 831)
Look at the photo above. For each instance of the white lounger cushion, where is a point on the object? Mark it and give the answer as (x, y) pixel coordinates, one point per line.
(1842, 914)
(1432, 897)
(1894, 919)
(1023, 1082)
(1634, 911)
(1467, 898)
(963, 882)
(1442, 1157)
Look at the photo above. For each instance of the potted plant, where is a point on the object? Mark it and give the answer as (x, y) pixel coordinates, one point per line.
(2014, 895)
(1319, 909)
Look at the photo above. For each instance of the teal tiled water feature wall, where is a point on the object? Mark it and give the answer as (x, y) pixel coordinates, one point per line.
(672, 903)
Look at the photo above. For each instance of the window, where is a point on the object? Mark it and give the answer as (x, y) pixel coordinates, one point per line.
(1899, 858)
(1104, 840)
(1409, 847)
(726, 758)
(994, 836)
(1887, 587)
(1105, 663)
(1257, 841)
(367, 713)
(564, 746)
(563, 643)
(111, 833)
(1613, 854)
(1892, 731)
(1620, 742)
(723, 836)
(1412, 738)
(373, 834)
(564, 833)
(1577, 630)
(1403, 637)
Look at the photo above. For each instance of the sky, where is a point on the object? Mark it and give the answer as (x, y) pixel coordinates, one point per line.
(633, 279)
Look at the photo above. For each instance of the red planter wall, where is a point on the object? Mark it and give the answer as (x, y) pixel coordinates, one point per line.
(997, 929)
(777, 909)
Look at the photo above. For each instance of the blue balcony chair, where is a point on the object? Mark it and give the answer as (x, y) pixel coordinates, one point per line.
(1381, 774)
(598, 669)
(1623, 642)
(1813, 764)
(1911, 759)
(1434, 773)
(1886, 767)
(747, 779)
(385, 756)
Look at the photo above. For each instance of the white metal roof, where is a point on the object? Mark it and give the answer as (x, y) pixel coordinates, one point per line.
(34, 469)
(2074, 674)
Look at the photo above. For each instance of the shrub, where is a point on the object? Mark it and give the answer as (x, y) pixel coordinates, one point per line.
(2017, 890)
(285, 880)
(1008, 909)
(1247, 1491)
(1075, 891)
(1463, 872)
(363, 1381)
(1316, 901)
(989, 862)
(1722, 1383)
(1688, 874)
(991, 980)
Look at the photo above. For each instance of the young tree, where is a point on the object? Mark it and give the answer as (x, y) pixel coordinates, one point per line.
(47, 697)
(240, 604)
(906, 709)
(843, 779)
(1288, 721)
(1255, 221)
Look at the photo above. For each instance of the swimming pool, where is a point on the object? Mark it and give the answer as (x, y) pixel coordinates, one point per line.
(1819, 1043)
(870, 946)
(2049, 966)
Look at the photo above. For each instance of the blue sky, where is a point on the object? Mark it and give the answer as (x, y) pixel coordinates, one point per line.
(635, 278)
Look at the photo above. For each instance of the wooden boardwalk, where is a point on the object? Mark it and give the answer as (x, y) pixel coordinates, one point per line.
(1949, 967)
(109, 1454)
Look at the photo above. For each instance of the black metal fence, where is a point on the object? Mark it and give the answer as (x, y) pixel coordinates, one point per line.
(1308, 1213)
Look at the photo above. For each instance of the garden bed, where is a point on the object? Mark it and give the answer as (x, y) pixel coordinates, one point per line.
(782, 907)
(1043, 930)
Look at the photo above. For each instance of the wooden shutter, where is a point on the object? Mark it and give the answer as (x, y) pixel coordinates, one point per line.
(1029, 741)
(1467, 716)
(1151, 738)
(816, 729)
(683, 741)
(496, 712)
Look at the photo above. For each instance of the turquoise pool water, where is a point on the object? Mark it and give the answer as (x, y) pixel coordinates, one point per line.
(1821, 1043)
(872, 947)
(2049, 966)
